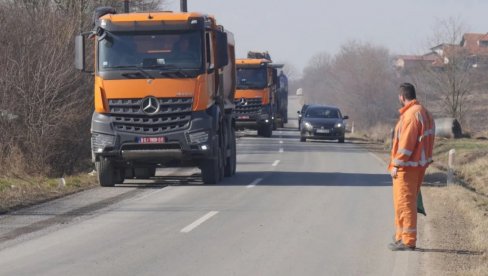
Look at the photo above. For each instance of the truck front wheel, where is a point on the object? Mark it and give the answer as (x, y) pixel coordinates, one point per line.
(107, 174)
(211, 167)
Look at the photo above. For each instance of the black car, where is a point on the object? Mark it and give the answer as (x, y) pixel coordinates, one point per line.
(323, 122)
(300, 114)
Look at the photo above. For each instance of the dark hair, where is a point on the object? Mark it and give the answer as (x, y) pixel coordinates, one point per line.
(407, 90)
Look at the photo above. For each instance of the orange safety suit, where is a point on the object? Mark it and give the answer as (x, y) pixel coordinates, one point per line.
(411, 153)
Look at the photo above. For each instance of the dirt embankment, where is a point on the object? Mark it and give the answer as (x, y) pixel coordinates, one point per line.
(453, 237)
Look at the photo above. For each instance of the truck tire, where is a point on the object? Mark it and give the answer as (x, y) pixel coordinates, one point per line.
(303, 139)
(230, 166)
(341, 140)
(211, 168)
(267, 130)
(106, 172)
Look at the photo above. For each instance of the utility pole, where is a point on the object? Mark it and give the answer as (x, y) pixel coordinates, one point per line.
(126, 6)
(183, 6)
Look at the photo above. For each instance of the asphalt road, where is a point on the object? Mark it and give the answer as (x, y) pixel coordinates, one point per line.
(315, 208)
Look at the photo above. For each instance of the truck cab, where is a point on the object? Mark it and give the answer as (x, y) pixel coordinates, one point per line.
(164, 86)
(256, 85)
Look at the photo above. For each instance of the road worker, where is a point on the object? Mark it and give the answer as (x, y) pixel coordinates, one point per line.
(411, 154)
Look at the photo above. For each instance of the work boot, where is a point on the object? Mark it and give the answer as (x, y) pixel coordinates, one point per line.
(395, 240)
(399, 246)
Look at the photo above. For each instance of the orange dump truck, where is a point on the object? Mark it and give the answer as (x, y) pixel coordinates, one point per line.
(164, 94)
(255, 97)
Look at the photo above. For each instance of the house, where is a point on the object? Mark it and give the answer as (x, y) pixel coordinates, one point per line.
(406, 64)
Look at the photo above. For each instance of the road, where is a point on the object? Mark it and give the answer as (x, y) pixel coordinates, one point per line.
(315, 208)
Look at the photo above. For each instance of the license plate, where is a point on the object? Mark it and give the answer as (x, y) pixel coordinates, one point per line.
(151, 140)
(323, 131)
(244, 117)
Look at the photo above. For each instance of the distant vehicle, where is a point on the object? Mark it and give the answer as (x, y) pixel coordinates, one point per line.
(300, 112)
(323, 122)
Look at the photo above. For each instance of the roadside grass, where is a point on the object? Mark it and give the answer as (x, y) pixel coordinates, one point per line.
(21, 191)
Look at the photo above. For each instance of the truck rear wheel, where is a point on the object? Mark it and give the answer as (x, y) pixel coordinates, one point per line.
(231, 164)
(106, 173)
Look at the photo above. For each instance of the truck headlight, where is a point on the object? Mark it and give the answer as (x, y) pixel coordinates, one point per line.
(101, 141)
(198, 137)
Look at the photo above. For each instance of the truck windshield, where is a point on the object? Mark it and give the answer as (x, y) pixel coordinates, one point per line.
(151, 50)
(249, 78)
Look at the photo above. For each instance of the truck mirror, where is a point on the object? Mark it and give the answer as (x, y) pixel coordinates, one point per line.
(222, 49)
(345, 117)
(80, 52)
(275, 77)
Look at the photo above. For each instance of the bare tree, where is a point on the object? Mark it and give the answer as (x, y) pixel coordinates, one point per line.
(451, 78)
(359, 79)
(46, 103)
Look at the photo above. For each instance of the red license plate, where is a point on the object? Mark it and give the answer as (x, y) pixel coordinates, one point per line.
(244, 117)
(151, 140)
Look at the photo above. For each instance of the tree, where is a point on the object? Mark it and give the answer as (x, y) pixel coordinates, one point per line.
(451, 78)
(359, 79)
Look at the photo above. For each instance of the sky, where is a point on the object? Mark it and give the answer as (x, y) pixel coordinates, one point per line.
(294, 31)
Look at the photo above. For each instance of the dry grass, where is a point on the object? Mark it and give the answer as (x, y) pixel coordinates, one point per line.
(471, 161)
(16, 192)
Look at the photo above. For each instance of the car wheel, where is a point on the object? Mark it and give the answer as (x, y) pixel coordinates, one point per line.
(341, 140)
(303, 139)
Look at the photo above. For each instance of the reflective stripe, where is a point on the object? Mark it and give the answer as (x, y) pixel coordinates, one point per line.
(420, 118)
(410, 230)
(423, 159)
(427, 133)
(405, 164)
(405, 151)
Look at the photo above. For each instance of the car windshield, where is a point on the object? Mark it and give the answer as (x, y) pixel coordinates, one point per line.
(155, 50)
(322, 112)
(248, 78)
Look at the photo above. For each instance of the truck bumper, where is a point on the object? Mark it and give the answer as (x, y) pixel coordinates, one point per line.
(189, 145)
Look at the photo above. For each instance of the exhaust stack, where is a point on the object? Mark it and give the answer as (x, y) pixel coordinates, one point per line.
(183, 6)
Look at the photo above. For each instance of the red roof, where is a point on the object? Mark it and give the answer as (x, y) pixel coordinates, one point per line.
(471, 42)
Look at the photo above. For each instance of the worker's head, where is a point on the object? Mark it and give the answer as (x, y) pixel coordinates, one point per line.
(407, 93)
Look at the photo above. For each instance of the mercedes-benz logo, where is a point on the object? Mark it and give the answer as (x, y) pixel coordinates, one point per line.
(242, 102)
(150, 105)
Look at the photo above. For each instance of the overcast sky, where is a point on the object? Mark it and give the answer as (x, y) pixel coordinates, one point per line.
(293, 31)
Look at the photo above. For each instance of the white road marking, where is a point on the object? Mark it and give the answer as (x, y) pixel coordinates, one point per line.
(281, 142)
(199, 221)
(281, 150)
(254, 183)
(377, 158)
(275, 163)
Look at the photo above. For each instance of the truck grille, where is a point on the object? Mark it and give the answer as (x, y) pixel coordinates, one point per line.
(248, 106)
(173, 114)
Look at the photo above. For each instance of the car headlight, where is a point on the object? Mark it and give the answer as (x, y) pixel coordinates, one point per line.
(308, 125)
(339, 125)
(101, 141)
